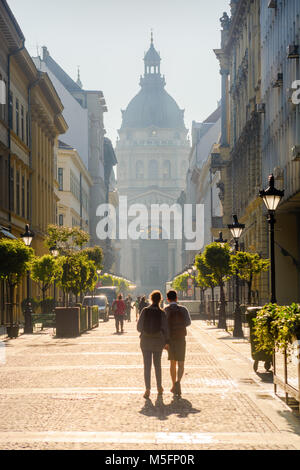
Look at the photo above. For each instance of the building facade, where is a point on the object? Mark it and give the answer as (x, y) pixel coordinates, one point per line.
(84, 110)
(74, 184)
(238, 157)
(152, 153)
(280, 131)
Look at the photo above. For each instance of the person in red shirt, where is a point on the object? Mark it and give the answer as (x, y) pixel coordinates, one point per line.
(119, 310)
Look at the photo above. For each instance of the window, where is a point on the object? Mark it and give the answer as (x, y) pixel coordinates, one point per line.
(12, 189)
(74, 185)
(60, 220)
(153, 169)
(28, 200)
(27, 129)
(61, 179)
(17, 117)
(23, 196)
(10, 110)
(140, 170)
(18, 192)
(167, 169)
(22, 123)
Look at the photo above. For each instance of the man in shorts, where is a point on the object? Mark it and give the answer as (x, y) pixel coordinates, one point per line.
(178, 319)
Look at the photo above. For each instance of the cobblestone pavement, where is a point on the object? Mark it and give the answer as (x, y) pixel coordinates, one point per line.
(87, 393)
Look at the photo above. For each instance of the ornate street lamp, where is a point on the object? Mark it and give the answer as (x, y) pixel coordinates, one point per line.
(272, 198)
(27, 238)
(236, 230)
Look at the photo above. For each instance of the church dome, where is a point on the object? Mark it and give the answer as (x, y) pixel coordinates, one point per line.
(153, 106)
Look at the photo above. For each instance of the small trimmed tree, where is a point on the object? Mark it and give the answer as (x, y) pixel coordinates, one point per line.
(206, 278)
(14, 260)
(180, 283)
(248, 265)
(217, 258)
(44, 270)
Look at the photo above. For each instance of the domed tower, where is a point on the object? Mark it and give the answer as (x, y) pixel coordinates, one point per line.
(152, 152)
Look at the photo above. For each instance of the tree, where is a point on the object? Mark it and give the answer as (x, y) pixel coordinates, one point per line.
(14, 260)
(44, 270)
(247, 265)
(66, 239)
(95, 254)
(206, 278)
(77, 274)
(180, 283)
(217, 258)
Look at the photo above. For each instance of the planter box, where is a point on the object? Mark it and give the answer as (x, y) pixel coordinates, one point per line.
(67, 322)
(95, 317)
(84, 319)
(12, 331)
(287, 373)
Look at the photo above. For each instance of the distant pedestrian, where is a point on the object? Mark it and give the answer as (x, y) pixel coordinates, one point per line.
(137, 307)
(119, 311)
(128, 302)
(153, 327)
(178, 319)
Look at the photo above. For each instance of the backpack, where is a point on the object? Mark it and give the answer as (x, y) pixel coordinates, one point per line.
(176, 322)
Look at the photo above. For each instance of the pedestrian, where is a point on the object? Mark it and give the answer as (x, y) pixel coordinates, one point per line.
(178, 319)
(137, 306)
(153, 327)
(128, 303)
(119, 311)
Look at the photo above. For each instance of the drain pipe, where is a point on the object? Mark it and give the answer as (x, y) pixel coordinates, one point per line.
(10, 121)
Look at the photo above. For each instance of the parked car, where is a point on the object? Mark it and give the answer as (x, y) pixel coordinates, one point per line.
(110, 292)
(101, 302)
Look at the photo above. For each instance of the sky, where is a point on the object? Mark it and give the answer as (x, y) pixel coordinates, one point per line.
(108, 39)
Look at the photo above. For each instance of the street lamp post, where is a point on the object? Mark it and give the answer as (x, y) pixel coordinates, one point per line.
(236, 230)
(272, 198)
(27, 238)
(190, 271)
(220, 239)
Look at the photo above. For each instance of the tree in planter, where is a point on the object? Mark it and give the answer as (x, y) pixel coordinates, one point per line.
(14, 259)
(44, 271)
(180, 283)
(206, 278)
(248, 265)
(77, 274)
(217, 258)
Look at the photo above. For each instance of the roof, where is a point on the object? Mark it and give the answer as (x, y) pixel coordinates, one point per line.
(62, 76)
(152, 57)
(62, 145)
(215, 116)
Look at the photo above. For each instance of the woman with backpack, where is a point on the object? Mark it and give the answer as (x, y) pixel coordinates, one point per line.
(119, 311)
(153, 327)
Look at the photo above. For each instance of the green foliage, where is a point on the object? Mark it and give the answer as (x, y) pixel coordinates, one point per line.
(66, 239)
(14, 260)
(111, 280)
(217, 258)
(247, 265)
(44, 271)
(95, 254)
(180, 283)
(277, 327)
(206, 276)
(77, 273)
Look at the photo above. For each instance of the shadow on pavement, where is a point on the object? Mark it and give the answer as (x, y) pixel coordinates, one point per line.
(266, 377)
(178, 406)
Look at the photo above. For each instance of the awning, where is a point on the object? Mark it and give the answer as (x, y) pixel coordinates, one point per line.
(6, 233)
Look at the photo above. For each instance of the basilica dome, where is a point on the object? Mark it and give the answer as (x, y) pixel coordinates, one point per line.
(153, 106)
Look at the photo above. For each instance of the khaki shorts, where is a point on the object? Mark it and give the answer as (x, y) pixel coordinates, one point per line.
(177, 349)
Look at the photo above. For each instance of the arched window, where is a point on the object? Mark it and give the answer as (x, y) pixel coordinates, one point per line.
(139, 170)
(153, 169)
(167, 169)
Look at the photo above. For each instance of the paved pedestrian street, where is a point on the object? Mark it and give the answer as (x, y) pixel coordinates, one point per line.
(87, 393)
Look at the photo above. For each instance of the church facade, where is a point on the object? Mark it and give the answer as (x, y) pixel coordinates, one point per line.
(152, 152)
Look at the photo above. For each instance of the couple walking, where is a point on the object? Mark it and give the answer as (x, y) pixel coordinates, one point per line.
(163, 329)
